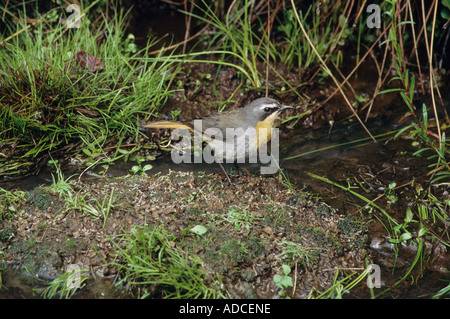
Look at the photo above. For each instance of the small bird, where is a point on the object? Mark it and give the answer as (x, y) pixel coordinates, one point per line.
(251, 127)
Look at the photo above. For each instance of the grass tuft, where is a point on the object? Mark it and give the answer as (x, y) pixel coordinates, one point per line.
(151, 262)
(65, 90)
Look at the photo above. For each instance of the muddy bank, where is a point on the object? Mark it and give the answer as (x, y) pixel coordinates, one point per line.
(248, 231)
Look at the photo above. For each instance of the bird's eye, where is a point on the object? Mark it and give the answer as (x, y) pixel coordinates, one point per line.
(267, 109)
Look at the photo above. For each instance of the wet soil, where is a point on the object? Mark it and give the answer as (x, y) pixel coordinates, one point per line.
(47, 237)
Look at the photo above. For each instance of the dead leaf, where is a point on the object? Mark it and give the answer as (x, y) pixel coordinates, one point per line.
(92, 63)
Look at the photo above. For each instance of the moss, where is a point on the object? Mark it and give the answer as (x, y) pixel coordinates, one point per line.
(297, 199)
(6, 234)
(350, 226)
(325, 210)
(276, 216)
(40, 196)
(354, 229)
(242, 251)
(223, 251)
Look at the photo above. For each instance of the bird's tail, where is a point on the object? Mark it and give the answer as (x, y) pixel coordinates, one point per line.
(167, 124)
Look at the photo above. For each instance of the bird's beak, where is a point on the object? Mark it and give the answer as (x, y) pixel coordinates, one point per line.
(285, 107)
